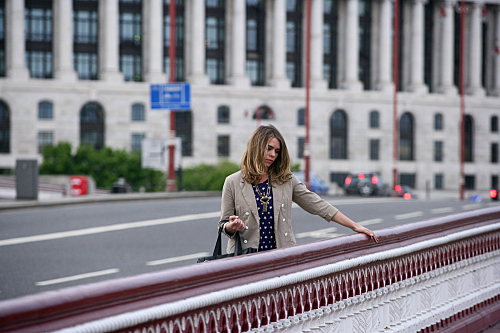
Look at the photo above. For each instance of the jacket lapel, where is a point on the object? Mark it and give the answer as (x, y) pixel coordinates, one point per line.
(277, 201)
(249, 196)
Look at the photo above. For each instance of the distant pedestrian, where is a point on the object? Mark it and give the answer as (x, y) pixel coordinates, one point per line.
(257, 200)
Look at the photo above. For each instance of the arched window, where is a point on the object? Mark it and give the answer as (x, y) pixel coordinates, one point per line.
(469, 139)
(138, 112)
(263, 112)
(45, 110)
(494, 124)
(92, 125)
(406, 131)
(301, 117)
(4, 128)
(374, 119)
(338, 135)
(438, 121)
(223, 114)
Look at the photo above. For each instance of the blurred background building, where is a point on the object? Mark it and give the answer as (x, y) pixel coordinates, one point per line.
(80, 71)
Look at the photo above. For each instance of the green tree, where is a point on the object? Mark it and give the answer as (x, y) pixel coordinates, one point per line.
(205, 177)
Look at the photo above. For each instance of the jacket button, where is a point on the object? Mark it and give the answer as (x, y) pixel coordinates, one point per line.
(245, 241)
(283, 220)
(282, 205)
(286, 234)
(246, 227)
(247, 213)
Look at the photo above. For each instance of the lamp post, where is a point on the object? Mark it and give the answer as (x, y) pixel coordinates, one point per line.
(462, 98)
(308, 75)
(171, 186)
(395, 73)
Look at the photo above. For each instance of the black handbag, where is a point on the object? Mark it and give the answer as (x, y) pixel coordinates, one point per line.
(238, 251)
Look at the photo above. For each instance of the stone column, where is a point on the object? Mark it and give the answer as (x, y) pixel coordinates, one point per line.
(152, 38)
(63, 41)
(197, 73)
(15, 41)
(385, 82)
(496, 75)
(352, 48)
(417, 44)
(446, 85)
(278, 77)
(474, 50)
(317, 80)
(109, 48)
(237, 76)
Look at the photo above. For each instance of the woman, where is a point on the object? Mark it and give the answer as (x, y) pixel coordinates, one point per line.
(257, 200)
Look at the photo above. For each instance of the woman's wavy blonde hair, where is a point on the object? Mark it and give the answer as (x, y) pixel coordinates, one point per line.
(252, 162)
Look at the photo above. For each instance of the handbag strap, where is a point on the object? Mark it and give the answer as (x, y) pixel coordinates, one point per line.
(218, 244)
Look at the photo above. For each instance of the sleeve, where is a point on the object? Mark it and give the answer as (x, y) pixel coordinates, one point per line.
(311, 202)
(227, 205)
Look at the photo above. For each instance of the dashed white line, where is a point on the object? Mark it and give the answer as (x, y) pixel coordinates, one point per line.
(176, 259)
(78, 277)
(471, 206)
(442, 210)
(408, 215)
(108, 228)
(370, 222)
(321, 233)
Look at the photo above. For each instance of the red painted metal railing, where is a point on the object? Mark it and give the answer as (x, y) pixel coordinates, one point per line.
(177, 300)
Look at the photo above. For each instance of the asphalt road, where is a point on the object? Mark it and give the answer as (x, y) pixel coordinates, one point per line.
(49, 248)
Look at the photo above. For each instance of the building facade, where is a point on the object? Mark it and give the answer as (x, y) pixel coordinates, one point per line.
(80, 71)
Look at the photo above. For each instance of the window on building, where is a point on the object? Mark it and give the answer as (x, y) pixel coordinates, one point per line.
(223, 145)
(494, 153)
(179, 39)
(38, 29)
(494, 124)
(263, 112)
(2, 39)
(438, 121)
(215, 41)
(92, 125)
(255, 39)
(407, 179)
(45, 138)
(470, 182)
(374, 149)
(438, 151)
(330, 40)
(223, 114)
(365, 23)
(85, 39)
(294, 19)
(130, 39)
(301, 117)
(136, 141)
(494, 181)
(184, 130)
(301, 141)
(374, 119)
(469, 139)
(406, 138)
(45, 110)
(4, 128)
(438, 181)
(338, 135)
(138, 112)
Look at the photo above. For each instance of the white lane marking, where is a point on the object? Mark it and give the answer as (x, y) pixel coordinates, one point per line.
(370, 222)
(360, 201)
(78, 277)
(442, 210)
(471, 206)
(108, 228)
(176, 259)
(408, 216)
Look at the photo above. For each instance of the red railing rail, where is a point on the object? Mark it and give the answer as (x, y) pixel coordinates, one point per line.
(68, 307)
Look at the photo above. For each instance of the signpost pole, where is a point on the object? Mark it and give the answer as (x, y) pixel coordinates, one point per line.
(171, 186)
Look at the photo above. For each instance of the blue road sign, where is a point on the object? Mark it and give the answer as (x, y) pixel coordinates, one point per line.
(173, 96)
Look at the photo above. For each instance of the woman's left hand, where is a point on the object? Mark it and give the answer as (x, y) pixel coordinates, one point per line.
(367, 232)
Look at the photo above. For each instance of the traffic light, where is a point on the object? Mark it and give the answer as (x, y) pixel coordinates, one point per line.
(494, 194)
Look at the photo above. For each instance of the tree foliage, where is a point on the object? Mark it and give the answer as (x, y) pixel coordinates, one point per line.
(205, 177)
(105, 166)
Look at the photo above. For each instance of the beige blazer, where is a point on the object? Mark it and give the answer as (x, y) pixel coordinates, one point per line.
(238, 199)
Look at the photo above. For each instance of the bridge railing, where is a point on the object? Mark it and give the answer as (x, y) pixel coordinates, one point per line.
(441, 274)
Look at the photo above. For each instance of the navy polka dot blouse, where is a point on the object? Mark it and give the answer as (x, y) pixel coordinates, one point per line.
(267, 239)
